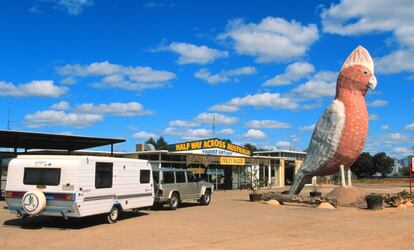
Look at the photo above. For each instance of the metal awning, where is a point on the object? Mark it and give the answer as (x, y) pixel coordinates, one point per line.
(31, 140)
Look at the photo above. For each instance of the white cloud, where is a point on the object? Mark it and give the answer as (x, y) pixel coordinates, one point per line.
(205, 75)
(403, 151)
(181, 123)
(353, 17)
(190, 53)
(269, 100)
(397, 136)
(397, 61)
(385, 127)
(294, 72)
(60, 118)
(225, 131)
(410, 126)
(307, 128)
(224, 76)
(224, 108)
(43, 88)
(62, 105)
(322, 84)
(378, 103)
(73, 7)
(207, 118)
(195, 134)
(282, 144)
(259, 124)
(154, 4)
(255, 134)
(115, 108)
(189, 134)
(373, 117)
(119, 76)
(272, 40)
(143, 135)
(68, 81)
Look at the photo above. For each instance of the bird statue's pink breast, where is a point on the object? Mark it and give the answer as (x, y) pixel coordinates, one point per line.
(341, 132)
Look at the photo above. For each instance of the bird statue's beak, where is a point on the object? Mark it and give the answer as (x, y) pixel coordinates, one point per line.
(372, 82)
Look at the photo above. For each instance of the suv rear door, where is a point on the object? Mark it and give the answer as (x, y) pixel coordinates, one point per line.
(182, 185)
(193, 186)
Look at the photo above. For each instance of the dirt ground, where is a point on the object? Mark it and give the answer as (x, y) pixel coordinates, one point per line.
(230, 222)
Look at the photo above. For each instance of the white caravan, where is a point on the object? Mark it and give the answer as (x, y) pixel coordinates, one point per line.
(77, 186)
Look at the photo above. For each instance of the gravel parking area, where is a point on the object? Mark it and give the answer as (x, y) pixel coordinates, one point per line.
(229, 222)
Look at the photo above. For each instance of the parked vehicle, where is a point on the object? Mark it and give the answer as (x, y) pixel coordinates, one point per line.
(77, 186)
(172, 186)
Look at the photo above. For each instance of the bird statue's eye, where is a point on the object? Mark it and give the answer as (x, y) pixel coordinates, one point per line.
(365, 72)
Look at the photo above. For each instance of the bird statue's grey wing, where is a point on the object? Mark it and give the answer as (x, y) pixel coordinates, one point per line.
(322, 146)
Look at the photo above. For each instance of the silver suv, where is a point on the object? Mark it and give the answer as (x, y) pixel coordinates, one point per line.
(172, 186)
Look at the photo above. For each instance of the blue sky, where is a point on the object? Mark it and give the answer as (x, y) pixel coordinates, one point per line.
(266, 70)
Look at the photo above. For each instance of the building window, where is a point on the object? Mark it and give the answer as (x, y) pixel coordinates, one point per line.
(144, 176)
(103, 174)
(180, 177)
(168, 177)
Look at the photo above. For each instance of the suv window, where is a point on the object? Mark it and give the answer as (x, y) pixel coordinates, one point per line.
(144, 176)
(180, 177)
(191, 177)
(41, 176)
(103, 174)
(168, 177)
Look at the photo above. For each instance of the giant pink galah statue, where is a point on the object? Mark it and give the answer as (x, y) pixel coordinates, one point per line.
(341, 132)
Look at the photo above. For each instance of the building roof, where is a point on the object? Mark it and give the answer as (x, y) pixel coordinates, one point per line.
(31, 140)
(282, 151)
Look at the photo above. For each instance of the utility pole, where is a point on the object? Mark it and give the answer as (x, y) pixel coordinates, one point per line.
(8, 118)
(214, 127)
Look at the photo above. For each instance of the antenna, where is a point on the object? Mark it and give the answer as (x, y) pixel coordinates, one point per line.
(214, 127)
(8, 118)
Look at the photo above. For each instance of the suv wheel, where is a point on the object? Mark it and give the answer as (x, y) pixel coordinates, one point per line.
(113, 215)
(174, 201)
(206, 198)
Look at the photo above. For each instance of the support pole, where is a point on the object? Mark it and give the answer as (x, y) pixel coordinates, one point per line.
(349, 176)
(112, 149)
(411, 175)
(342, 175)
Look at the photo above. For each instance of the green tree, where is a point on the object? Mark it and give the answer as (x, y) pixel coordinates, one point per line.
(161, 143)
(364, 166)
(383, 164)
(150, 141)
(250, 147)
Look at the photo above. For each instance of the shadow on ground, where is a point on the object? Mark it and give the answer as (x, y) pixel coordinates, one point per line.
(181, 206)
(40, 222)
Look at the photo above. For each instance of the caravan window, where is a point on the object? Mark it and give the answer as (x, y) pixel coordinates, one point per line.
(168, 177)
(41, 176)
(144, 176)
(103, 174)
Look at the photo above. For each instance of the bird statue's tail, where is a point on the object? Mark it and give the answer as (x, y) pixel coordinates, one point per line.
(299, 182)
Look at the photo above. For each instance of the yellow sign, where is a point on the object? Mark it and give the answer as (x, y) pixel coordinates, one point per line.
(209, 143)
(232, 161)
(198, 170)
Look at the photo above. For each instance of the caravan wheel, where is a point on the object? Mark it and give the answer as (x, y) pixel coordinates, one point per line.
(113, 215)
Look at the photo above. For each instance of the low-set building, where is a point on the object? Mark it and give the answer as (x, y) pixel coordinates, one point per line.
(217, 161)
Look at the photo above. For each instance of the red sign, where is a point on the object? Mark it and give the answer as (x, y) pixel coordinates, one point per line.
(412, 163)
